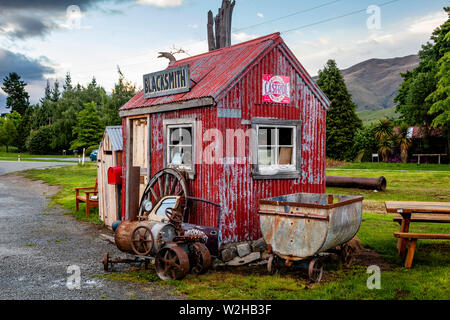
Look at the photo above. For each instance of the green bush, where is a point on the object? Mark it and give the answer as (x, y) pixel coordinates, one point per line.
(39, 141)
(364, 142)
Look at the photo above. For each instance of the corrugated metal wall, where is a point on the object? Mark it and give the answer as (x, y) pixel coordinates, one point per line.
(232, 185)
(239, 193)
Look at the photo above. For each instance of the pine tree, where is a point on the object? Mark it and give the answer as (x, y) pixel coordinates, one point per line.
(18, 98)
(55, 92)
(47, 92)
(68, 83)
(342, 120)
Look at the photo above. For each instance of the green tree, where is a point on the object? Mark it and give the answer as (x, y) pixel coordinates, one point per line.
(342, 120)
(24, 128)
(47, 92)
(403, 141)
(364, 142)
(123, 91)
(17, 98)
(89, 128)
(68, 83)
(440, 98)
(8, 133)
(39, 140)
(421, 98)
(55, 94)
(384, 133)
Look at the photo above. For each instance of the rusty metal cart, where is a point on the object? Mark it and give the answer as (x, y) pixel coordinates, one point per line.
(299, 227)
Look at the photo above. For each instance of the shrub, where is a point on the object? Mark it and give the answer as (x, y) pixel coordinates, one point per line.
(39, 141)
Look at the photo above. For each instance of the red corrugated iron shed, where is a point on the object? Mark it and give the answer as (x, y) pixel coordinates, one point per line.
(226, 94)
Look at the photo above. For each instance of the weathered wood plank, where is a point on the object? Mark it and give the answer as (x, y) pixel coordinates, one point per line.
(417, 206)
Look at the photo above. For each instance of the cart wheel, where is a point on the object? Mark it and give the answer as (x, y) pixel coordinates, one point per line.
(201, 258)
(272, 264)
(171, 263)
(105, 262)
(347, 254)
(315, 270)
(142, 240)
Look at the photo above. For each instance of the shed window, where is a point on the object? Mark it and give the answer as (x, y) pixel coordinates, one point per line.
(277, 152)
(180, 146)
(276, 147)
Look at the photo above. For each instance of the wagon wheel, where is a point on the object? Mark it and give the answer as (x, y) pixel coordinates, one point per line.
(171, 263)
(347, 254)
(142, 240)
(201, 259)
(272, 264)
(166, 182)
(315, 270)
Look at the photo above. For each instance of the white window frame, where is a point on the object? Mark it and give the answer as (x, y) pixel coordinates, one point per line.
(277, 146)
(179, 123)
(292, 171)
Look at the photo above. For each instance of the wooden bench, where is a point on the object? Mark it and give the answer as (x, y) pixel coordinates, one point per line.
(431, 219)
(90, 197)
(411, 239)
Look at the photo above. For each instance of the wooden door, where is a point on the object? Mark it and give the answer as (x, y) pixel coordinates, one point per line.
(140, 150)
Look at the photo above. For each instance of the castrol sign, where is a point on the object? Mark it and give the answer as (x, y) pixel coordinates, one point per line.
(276, 89)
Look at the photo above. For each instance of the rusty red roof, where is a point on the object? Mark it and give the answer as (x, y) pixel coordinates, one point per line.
(212, 73)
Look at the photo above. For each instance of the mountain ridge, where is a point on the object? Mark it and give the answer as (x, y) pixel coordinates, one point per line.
(374, 83)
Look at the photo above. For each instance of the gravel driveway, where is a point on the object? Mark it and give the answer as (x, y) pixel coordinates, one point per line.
(38, 243)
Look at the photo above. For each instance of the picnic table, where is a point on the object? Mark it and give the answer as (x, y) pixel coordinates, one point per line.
(418, 155)
(435, 213)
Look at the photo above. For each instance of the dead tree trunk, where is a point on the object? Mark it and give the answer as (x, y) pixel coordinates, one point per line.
(219, 27)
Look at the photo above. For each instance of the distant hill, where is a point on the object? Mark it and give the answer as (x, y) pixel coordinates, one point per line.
(370, 116)
(375, 82)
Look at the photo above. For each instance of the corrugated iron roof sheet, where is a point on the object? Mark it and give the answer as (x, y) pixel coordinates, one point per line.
(212, 73)
(115, 136)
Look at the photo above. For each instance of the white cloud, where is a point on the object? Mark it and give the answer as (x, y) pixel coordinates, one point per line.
(193, 26)
(405, 38)
(427, 24)
(259, 14)
(161, 3)
(242, 37)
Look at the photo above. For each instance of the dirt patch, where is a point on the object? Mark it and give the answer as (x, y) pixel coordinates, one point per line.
(374, 206)
(367, 257)
(334, 163)
(20, 181)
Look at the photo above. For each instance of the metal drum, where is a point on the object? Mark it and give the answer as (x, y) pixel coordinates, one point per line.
(161, 233)
(298, 226)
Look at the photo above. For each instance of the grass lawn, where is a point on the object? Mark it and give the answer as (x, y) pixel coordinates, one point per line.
(401, 185)
(428, 279)
(374, 166)
(69, 178)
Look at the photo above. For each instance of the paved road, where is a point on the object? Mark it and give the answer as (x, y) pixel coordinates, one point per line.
(12, 166)
(38, 243)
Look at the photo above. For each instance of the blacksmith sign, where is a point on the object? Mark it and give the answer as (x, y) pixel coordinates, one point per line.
(167, 82)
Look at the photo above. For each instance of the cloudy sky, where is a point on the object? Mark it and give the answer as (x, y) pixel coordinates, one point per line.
(45, 39)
